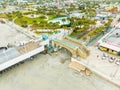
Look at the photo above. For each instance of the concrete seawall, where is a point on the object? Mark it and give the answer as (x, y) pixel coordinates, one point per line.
(96, 71)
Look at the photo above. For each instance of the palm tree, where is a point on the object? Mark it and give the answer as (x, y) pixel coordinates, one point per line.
(24, 24)
(9, 16)
(19, 14)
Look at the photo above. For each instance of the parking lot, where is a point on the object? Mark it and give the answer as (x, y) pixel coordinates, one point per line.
(104, 64)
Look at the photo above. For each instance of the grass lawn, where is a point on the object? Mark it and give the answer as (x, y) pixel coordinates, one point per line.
(38, 33)
(54, 16)
(51, 17)
(73, 33)
(19, 21)
(3, 16)
(1, 9)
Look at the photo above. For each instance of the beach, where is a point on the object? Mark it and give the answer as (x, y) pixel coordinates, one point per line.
(50, 72)
(45, 71)
(8, 35)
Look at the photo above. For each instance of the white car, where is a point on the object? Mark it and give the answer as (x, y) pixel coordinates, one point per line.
(117, 62)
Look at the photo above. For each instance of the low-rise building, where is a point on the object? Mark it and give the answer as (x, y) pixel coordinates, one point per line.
(101, 17)
(77, 14)
(111, 42)
(22, 1)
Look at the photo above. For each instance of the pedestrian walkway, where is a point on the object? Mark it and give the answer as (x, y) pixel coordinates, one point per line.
(74, 46)
(102, 66)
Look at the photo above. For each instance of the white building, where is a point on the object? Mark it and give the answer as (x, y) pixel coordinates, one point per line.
(77, 14)
(22, 1)
(111, 42)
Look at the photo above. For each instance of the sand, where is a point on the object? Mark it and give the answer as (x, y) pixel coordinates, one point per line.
(10, 35)
(47, 72)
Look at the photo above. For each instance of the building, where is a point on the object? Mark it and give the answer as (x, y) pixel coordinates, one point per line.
(101, 17)
(77, 14)
(22, 1)
(111, 42)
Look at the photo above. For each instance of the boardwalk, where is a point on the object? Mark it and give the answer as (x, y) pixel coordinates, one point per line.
(103, 67)
(10, 57)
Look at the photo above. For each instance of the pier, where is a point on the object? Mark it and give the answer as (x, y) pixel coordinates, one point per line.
(16, 54)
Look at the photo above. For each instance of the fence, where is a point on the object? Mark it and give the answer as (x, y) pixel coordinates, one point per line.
(98, 36)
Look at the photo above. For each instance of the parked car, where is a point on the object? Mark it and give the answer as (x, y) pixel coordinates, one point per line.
(117, 62)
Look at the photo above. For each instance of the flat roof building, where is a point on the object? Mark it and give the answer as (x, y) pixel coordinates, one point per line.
(111, 42)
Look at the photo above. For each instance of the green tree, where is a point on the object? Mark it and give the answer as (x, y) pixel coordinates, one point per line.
(4, 4)
(24, 23)
(63, 20)
(19, 14)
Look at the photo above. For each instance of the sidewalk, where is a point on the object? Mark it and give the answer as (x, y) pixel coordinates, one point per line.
(103, 68)
(22, 30)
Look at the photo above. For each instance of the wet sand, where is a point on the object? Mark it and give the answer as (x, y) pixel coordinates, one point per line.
(48, 72)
